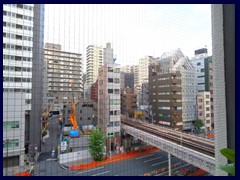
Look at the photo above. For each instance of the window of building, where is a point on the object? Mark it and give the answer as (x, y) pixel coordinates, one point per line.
(110, 80)
(116, 91)
(114, 101)
(28, 101)
(199, 64)
(110, 69)
(207, 109)
(11, 143)
(10, 125)
(110, 91)
(199, 100)
(199, 107)
(116, 80)
(207, 96)
(117, 70)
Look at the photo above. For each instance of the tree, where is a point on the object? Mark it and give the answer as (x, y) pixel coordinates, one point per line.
(230, 155)
(197, 126)
(96, 144)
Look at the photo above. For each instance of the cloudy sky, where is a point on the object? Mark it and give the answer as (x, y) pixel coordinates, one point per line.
(133, 30)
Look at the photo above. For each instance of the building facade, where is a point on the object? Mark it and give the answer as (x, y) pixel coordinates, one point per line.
(204, 109)
(128, 101)
(62, 68)
(172, 91)
(22, 73)
(95, 59)
(13, 129)
(94, 92)
(204, 75)
(109, 99)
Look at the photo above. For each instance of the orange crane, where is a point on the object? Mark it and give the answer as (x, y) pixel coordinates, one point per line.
(72, 117)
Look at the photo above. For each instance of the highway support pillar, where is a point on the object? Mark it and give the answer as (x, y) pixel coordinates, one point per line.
(169, 164)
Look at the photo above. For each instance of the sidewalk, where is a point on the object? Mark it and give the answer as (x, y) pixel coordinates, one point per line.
(14, 170)
(113, 158)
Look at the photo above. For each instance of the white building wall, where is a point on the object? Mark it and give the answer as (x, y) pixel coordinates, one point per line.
(14, 110)
(10, 52)
(95, 59)
(188, 97)
(199, 73)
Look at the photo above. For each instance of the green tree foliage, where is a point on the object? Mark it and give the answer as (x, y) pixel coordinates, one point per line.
(197, 126)
(230, 155)
(96, 144)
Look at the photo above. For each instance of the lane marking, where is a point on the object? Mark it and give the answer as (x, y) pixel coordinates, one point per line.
(101, 173)
(172, 169)
(144, 156)
(152, 159)
(159, 163)
(89, 170)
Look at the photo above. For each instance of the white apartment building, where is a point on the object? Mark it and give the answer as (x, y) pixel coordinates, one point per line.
(109, 98)
(62, 68)
(143, 68)
(95, 59)
(204, 109)
(22, 77)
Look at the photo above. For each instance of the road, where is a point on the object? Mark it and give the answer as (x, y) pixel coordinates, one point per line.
(53, 141)
(132, 167)
(47, 166)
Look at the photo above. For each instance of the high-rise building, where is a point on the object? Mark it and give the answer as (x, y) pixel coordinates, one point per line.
(62, 68)
(95, 58)
(22, 79)
(127, 76)
(204, 109)
(137, 87)
(128, 101)
(109, 98)
(204, 74)
(172, 91)
(143, 68)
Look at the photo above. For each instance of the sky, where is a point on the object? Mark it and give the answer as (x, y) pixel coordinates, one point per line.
(134, 30)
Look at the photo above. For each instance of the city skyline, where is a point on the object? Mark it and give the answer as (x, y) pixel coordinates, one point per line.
(165, 119)
(127, 28)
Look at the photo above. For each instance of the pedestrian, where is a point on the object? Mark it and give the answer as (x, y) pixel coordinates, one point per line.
(31, 170)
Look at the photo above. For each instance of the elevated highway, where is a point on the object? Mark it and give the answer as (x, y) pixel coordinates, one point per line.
(197, 151)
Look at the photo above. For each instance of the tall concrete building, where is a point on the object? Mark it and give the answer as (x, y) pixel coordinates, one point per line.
(204, 75)
(62, 68)
(137, 87)
(22, 79)
(109, 99)
(172, 91)
(128, 101)
(143, 68)
(95, 59)
(127, 76)
(204, 109)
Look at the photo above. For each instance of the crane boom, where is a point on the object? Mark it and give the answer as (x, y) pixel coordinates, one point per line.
(72, 117)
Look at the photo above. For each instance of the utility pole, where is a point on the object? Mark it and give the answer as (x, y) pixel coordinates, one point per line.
(169, 164)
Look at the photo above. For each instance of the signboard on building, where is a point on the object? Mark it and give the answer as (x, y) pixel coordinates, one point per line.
(164, 122)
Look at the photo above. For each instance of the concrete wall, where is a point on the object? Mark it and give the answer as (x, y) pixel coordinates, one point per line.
(74, 156)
